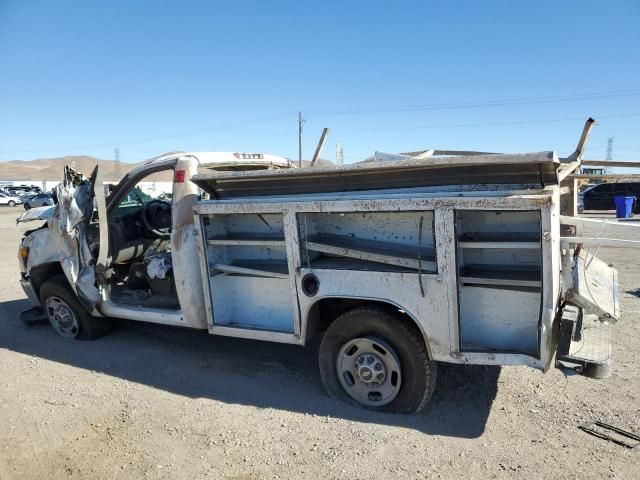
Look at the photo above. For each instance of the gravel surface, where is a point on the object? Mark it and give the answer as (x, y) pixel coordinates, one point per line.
(156, 402)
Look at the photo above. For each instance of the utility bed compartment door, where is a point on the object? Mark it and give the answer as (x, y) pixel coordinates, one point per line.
(252, 302)
(595, 287)
(251, 292)
(499, 280)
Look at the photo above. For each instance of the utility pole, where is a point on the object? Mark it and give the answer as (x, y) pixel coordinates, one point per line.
(610, 148)
(300, 122)
(339, 154)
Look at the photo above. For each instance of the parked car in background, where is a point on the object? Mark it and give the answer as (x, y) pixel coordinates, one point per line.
(10, 200)
(27, 196)
(38, 200)
(601, 197)
(22, 189)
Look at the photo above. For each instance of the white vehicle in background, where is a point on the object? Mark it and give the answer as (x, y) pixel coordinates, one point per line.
(21, 189)
(10, 200)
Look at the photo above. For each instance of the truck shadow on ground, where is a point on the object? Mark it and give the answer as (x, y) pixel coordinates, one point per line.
(266, 375)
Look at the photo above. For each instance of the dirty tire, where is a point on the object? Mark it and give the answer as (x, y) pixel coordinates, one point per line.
(418, 372)
(90, 327)
(11, 203)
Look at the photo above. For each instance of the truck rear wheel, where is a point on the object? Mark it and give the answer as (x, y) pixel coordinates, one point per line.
(65, 313)
(370, 357)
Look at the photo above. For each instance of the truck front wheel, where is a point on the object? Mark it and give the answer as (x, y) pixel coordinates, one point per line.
(369, 356)
(65, 313)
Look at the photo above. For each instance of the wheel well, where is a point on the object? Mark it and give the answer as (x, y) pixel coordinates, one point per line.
(44, 272)
(326, 310)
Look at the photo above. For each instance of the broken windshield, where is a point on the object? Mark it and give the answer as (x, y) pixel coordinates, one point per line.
(135, 197)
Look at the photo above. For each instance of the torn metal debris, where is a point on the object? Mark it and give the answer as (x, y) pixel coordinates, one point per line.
(608, 432)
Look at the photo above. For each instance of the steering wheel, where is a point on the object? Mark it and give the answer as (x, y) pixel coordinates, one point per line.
(156, 216)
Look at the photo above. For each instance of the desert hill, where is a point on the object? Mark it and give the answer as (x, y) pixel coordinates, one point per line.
(51, 168)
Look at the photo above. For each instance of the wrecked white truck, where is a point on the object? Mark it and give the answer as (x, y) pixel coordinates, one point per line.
(397, 263)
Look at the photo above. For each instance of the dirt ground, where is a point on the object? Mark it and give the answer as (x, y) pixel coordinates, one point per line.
(156, 402)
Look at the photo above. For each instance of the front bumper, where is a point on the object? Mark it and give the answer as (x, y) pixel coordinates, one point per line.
(29, 291)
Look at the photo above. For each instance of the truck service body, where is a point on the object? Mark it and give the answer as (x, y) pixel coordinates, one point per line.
(397, 263)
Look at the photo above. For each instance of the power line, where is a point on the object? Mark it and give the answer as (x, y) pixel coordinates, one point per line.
(390, 109)
(153, 139)
(142, 155)
(467, 125)
(480, 104)
(492, 124)
(384, 109)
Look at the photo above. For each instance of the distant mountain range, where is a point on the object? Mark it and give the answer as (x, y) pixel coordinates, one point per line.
(50, 169)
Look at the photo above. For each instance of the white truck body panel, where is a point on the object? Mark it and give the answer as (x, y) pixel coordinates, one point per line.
(476, 266)
(436, 313)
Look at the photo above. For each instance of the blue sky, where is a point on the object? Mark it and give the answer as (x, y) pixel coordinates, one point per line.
(85, 77)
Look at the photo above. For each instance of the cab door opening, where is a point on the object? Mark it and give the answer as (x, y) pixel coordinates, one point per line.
(140, 271)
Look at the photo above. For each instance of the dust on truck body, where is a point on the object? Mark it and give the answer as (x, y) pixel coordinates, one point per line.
(398, 263)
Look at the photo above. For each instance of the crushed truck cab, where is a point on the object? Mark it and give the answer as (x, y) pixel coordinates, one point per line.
(398, 263)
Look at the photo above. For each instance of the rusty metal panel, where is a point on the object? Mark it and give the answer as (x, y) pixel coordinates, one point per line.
(478, 200)
(532, 169)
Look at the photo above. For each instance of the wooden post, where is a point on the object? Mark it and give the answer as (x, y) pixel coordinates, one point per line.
(569, 200)
(316, 155)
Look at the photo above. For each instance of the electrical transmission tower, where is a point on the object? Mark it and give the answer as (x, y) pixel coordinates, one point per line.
(339, 154)
(610, 148)
(116, 153)
(300, 122)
